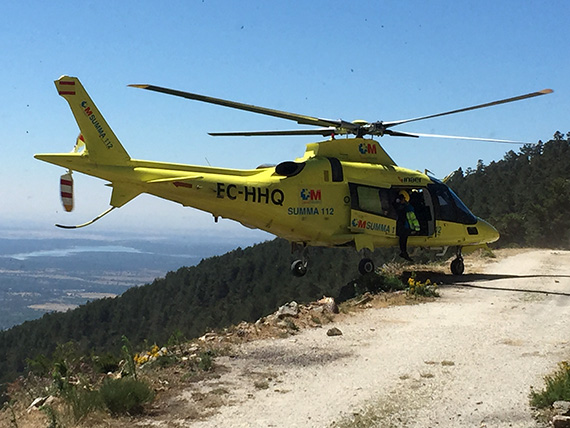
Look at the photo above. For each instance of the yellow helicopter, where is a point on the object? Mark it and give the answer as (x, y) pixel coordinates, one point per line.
(340, 193)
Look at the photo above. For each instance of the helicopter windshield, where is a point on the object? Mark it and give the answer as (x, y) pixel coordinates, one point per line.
(448, 206)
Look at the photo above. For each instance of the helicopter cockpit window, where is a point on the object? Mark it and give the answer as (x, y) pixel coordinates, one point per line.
(448, 206)
(464, 214)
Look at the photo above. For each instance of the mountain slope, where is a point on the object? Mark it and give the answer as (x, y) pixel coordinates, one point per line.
(242, 285)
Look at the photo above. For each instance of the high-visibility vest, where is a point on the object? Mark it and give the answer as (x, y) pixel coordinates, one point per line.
(412, 221)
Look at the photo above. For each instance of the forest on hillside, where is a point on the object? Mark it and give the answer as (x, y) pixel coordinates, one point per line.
(242, 285)
(526, 196)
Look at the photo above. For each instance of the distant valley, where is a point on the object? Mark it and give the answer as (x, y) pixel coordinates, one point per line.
(44, 275)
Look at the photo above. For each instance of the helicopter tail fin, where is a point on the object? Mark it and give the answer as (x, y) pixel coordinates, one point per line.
(97, 151)
(101, 144)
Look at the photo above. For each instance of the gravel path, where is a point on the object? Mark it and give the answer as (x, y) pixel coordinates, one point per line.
(466, 360)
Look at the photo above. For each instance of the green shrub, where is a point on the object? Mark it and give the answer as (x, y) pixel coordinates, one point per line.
(9, 405)
(176, 339)
(557, 388)
(206, 362)
(41, 365)
(126, 395)
(130, 366)
(51, 415)
(392, 283)
(291, 325)
(105, 363)
(82, 400)
(374, 283)
(166, 361)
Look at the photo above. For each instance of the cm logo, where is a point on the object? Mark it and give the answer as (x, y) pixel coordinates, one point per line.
(311, 194)
(361, 224)
(367, 148)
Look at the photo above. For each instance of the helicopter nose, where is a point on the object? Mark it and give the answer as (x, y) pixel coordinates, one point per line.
(487, 232)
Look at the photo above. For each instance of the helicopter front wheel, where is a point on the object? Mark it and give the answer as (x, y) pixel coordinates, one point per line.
(457, 266)
(299, 268)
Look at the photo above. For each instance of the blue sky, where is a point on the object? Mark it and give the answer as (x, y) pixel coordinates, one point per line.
(372, 60)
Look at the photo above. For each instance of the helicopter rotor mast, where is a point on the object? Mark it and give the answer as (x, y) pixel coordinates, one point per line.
(331, 127)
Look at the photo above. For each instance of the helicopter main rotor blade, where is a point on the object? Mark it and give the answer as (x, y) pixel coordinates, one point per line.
(340, 127)
(492, 103)
(300, 119)
(454, 137)
(325, 132)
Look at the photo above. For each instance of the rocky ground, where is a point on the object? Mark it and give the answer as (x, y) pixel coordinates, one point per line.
(466, 359)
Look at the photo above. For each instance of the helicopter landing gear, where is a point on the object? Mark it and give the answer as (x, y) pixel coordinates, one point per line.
(366, 265)
(299, 267)
(457, 265)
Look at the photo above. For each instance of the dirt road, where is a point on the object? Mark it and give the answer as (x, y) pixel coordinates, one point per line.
(465, 360)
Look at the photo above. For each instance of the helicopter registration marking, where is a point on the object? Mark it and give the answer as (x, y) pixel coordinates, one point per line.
(250, 194)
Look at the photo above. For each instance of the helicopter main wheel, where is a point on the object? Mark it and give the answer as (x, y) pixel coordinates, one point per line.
(365, 266)
(299, 268)
(457, 266)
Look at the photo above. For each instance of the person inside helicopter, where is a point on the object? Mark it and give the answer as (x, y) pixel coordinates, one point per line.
(406, 223)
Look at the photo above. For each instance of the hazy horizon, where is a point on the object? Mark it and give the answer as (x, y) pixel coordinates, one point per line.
(57, 272)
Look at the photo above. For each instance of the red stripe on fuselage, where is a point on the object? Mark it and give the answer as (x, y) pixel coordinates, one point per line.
(182, 184)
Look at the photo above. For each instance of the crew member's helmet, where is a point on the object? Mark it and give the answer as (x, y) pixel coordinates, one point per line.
(404, 195)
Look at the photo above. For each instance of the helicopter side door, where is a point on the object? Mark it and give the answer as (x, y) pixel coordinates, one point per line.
(373, 212)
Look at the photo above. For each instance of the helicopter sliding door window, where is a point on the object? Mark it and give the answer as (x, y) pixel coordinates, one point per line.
(368, 200)
(373, 200)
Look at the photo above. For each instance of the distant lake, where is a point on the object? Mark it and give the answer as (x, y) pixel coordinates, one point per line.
(65, 252)
(44, 275)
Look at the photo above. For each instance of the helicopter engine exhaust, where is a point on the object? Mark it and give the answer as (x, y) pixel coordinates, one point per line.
(289, 168)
